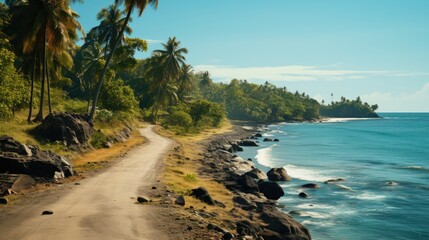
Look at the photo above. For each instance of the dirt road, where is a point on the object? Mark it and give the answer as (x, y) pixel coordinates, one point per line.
(102, 207)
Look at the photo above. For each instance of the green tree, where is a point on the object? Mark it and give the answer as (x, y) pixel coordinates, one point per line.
(130, 5)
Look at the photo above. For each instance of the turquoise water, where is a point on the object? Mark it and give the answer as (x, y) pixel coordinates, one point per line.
(370, 155)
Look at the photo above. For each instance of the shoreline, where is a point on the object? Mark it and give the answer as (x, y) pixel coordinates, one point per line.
(244, 213)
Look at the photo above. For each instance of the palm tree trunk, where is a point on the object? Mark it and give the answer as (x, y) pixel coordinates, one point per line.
(49, 85)
(106, 65)
(156, 105)
(39, 116)
(33, 75)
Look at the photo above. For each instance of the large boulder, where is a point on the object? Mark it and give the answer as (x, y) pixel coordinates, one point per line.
(271, 190)
(203, 195)
(248, 143)
(278, 174)
(257, 174)
(41, 164)
(282, 225)
(248, 184)
(71, 129)
(14, 183)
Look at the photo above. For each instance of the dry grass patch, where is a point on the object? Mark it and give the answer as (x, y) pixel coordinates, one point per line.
(180, 173)
(91, 160)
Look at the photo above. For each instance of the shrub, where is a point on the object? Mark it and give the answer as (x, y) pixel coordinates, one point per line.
(180, 118)
(98, 140)
(103, 115)
(190, 178)
(116, 96)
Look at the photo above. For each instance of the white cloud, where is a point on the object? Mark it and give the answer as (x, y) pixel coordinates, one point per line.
(153, 41)
(405, 102)
(294, 73)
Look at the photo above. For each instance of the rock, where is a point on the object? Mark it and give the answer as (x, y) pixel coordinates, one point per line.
(267, 234)
(283, 224)
(236, 147)
(249, 159)
(228, 148)
(295, 212)
(14, 183)
(70, 128)
(214, 227)
(227, 236)
(271, 190)
(278, 174)
(303, 195)
(258, 135)
(257, 173)
(268, 140)
(276, 140)
(47, 212)
(248, 143)
(335, 180)
(310, 185)
(4, 200)
(180, 200)
(248, 184)
(244, 203)
(40, 164)
(143, 199)
(203, 195)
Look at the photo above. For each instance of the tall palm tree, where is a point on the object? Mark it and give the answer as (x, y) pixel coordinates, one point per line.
(130, 5)
(110, 26)
(41, 26)
(169, 62)
(185, 82)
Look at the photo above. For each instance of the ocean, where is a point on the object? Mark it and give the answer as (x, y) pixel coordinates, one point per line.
(385, 164)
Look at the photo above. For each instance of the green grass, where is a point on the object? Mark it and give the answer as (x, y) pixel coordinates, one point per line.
(190, 178)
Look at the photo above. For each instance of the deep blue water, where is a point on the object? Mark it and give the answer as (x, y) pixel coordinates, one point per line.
(369, 154)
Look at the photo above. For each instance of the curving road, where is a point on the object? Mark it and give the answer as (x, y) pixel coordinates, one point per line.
(102, 207)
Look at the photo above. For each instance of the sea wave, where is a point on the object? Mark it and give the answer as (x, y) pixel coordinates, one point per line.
(341, 120)
(324, 223)
(264, 156)
(307, 174)
(368, 196)
(417, 168)
(315, 206)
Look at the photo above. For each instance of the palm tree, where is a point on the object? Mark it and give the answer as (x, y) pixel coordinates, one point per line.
(169, 62)
(185, 81)
(110, 26)
(130, 5)
(41, 26)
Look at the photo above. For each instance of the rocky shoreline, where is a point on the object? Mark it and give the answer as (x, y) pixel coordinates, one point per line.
(253, 194)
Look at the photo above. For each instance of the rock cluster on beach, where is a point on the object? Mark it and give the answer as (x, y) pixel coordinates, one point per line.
(21, 165)
(255, 191)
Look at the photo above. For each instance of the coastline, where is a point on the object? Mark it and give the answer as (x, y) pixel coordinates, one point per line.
(241, 213)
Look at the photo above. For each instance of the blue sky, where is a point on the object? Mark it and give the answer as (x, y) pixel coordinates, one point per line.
(378, 50)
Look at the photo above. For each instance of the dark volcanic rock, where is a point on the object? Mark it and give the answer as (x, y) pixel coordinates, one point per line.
(248, 143)
(227, 236)
(248, 184)
(276, 140)
(278, 174)
(258, 135)
(203, 195)
(143, 199)
(3, 200)
(47, 212)
(303, 195)
(283, 224)
(14, 183)
(8, 144)
(310, 185)
(41, 164)
(180, 200)
(271, 190)
(335, 180)
(257, 174)
(268, 140)
(236, 147)
(72, 129)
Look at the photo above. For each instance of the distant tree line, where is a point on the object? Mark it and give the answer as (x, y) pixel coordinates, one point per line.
(349, 108)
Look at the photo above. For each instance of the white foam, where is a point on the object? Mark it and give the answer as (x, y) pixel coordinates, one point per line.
(307, 174)
(315, 215)
(315, 206)
(368, 196)
(268, 135)
(335, 120)
(324, 223)
(264, 156)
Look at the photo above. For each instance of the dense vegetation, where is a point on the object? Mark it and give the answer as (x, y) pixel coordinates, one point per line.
(42, 68)
(349, 108)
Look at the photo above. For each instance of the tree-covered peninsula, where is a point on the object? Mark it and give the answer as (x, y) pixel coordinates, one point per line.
(346, 108)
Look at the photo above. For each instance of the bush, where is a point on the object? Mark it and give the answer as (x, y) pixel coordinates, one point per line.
(98, 140)
(180, 118)
(116, 96)
(211, 112)
(190, 178)
(103, 115)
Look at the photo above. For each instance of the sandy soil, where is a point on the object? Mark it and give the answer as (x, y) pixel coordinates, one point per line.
(101, 207)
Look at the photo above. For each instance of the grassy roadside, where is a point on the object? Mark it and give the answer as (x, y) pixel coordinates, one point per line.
(180, 173)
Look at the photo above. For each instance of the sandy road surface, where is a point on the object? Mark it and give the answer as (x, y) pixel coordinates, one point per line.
(102, 207)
